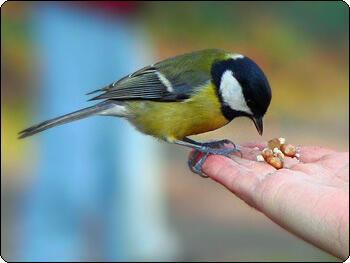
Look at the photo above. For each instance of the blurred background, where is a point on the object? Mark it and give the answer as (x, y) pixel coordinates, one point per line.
(98, 190)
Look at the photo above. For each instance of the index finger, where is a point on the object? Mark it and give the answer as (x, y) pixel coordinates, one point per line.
(258, 144)
(237, 177)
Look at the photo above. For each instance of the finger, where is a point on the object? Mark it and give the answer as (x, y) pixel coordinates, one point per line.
(249, 150)
(335, 161)
(235, 177)
(259, 145)
(248, 160)
(238, 178)
(249, 153)
(310, 154)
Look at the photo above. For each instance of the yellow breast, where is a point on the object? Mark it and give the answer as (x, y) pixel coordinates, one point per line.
(176, 120)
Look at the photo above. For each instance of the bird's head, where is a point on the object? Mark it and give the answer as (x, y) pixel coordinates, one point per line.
(243, 89)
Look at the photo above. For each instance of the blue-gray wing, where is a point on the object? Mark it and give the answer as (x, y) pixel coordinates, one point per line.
(153, 83)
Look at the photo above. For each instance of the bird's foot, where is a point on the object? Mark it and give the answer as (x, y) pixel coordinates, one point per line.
(207, 149)
(218, 144)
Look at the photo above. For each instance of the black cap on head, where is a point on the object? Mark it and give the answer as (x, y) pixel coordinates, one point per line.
(242, 88)
(255, 86)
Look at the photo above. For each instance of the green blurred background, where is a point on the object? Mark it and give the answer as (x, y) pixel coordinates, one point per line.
(303, 48)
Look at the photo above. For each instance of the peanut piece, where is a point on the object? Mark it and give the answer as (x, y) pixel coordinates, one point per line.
(260, 158)
(274, 143)
(275, 162)
(266, 153)
(288, 149)
(282, 140)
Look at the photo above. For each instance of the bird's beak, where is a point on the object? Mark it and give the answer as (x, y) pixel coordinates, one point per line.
(258, 124)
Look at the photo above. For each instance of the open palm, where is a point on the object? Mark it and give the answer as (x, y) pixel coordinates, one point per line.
(309, 198)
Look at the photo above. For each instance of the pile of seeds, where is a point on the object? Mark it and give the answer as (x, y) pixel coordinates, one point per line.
(276, 151)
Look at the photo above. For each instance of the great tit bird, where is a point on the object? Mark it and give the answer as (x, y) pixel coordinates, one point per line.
(181, 96)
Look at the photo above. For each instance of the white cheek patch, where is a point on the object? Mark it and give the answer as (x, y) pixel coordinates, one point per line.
(231, 92)
(165, 82)
(236, 56)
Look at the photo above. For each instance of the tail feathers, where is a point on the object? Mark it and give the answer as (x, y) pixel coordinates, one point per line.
(77, 115)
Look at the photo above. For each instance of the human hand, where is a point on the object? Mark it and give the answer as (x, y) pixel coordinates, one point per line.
(310, 198)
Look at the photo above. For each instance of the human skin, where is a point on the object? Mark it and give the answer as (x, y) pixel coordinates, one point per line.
(309, 198)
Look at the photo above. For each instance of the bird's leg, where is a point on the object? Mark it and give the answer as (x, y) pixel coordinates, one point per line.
(213, 147)
(206, 148)
(211, 144)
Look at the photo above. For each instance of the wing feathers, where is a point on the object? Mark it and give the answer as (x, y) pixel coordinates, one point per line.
(151, 84)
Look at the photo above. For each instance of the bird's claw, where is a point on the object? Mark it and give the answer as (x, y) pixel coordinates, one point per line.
(196, 166)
